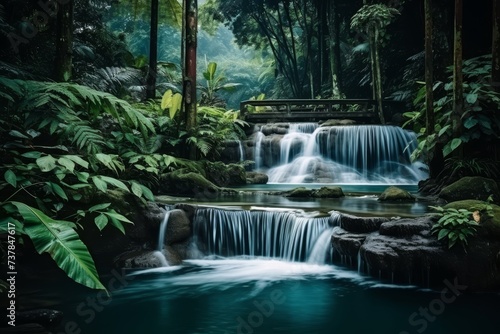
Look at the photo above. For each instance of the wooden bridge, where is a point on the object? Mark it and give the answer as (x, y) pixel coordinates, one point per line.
(303, 110)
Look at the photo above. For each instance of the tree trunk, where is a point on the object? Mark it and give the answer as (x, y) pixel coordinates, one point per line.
(191, 18)
(495, 47)
(153, 52)
(337, 65)
(378, 77)
(429, 101)
(458, 99)
(64, 42)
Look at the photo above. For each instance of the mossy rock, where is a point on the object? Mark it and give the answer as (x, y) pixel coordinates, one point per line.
(187, 184)
(471, 187)
(396, 194)
(490, 219)
(224, 175)
(257, 178)
(328, 192)
(299, 192)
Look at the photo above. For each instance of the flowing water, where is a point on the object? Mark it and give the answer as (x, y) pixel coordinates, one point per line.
(339, 154)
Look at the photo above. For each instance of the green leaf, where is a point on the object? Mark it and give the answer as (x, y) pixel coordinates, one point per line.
(443, 233)
(67, 163)
(136, 189)
(78, 160)
(98, 207)
(17, 134)
(100, 184)
(32, 155)
(116, 215)
(46, 163)
(82, 176)
(114, 182)
(101, 221)
(10, 177)
(471, 98)
(58, 190)
(117, 224)
(455, 143)
(470, 122)
(147, 193)
(62, 243)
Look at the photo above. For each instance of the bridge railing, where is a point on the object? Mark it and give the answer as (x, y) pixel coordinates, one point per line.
(301, 105)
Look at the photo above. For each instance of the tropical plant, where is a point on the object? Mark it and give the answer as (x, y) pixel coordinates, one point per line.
(480, 121)
(214, 82)
(455, 225)
(58, 152)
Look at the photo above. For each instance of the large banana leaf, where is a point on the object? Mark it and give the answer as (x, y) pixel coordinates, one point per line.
(60, 240)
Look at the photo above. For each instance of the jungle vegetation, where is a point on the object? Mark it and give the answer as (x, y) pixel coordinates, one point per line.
(90, 94)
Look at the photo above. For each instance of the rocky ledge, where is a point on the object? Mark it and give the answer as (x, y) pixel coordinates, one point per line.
(404, 251)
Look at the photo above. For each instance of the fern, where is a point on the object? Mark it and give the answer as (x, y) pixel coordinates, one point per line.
(85, 137)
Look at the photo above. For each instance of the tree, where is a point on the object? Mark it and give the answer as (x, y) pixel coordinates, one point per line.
(458, 99)
(495, 47)
(298, 33)
(153, 52)
(64, 41)
(373, 20)
(190, 27)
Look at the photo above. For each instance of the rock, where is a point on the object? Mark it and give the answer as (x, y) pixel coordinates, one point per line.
(361, 224)
(140, 259)
(328, 192)
(224, 175)
(489, 224)
(408, 226)
(334, 122)
(275, 128)
(396, 194)
(256, 178)
(471, 187)
(299, 192)
(185, 183)
(178, 227)
(346, 243)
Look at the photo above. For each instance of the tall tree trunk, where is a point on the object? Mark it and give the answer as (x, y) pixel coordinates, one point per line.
(336, 59)
(191, 22)
(429, 101)
(377, 76)
(153, 52)
(495, 47)
(64, 42)
(458, 99)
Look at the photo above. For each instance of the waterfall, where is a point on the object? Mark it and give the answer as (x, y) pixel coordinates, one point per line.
(242, 153)
(274, 234)
(161, 239)
(258, 148)
(341, 154)
(163, 229)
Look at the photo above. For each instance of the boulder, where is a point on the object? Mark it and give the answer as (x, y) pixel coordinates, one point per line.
(187, 183)
(178, 227)
(408, 226)
(361, 224)
(334, 122)
(256, 178)
(471, 187)
(489, 224)
(346, 243)
(396, 194)
(328, 192)
(299, 192)
(224, 175)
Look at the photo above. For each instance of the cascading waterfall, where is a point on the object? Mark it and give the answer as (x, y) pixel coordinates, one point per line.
(161, 239)
(258, 148)
(275, 234)
(343, 154)
(240, 148)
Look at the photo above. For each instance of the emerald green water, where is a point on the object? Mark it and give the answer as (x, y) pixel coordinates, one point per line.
(252, 295)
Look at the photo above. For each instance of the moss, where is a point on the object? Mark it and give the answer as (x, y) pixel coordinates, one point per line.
(328, 192)
(490, 219)
(471, 187)
(396, 194)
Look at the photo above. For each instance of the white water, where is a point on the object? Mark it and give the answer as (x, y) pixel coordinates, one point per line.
(283, 235)
(240, 148)
(161, 240)
(340, 154)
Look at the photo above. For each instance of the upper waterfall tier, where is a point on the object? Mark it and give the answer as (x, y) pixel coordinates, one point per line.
(307, 153)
